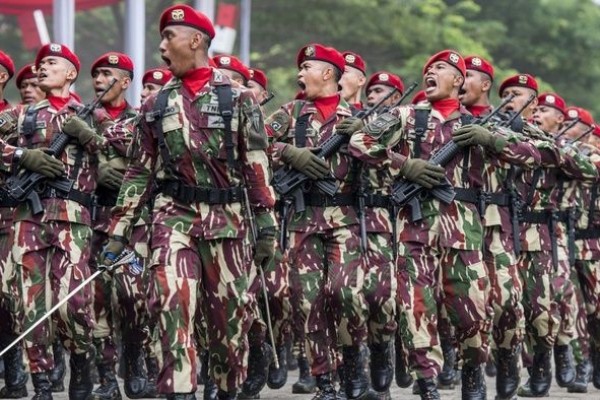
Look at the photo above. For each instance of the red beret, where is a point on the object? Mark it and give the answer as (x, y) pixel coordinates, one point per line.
(7, 63)
(577, 112)
(321, 53)
(449, 56)
(27, 72)
(233, 64)
(480, 64)
(352, 59)
(523, 80)
(159, 76)
(552, 100)
(114, 60)
(57, 50)
(596, 130)
(419, 97)
(387, 79)
(259, 77)
(182, 14)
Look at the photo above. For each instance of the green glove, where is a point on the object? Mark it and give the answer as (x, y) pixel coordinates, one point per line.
(470, 135)
(109, 176)
(304, 160)
(423, 173)
(349, 125)
(112, 250)
(78, 128)
(38, 160)
(264, 252)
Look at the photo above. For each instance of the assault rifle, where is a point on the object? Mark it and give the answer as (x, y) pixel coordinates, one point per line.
(28, 185)
(405, 192)
(289, 181)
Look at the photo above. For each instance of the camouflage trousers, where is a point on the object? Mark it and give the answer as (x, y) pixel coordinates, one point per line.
(7, 276)
(278, 297)
(120, 299)
(586, 278)
(312, 256)
(191, 272)
(50, 260)
(542, 315)
(506, 289)
(432, 277)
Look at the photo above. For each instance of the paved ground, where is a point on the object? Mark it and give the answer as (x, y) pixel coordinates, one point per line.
(286, 392)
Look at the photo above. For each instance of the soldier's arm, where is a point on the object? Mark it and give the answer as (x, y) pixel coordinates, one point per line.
(137, 182)
(277, 126)
(375, 143)
(255, 164)
(120, 135)
(576, 165)
(516, 151)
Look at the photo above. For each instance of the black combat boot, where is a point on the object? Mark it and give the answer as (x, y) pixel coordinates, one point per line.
(325, 391)
(15, 377)
(540, 375)
(355, 379)
(210, 390)
(109, 387)
(306, 382)
(278, 376)
(258, 369)
(565, 372)
(181, 396)
(80, 385)
(427, 389)
(41, 386)
(57, 375)
(403, 378)
(382, 370)
(341, 393)
(595, 354)
(447, 377)
(223, 395)
(292, 362)
(579, 385)
(135, 376)
(490, 368)
(473, 383)
(152, 375)
(507, 379)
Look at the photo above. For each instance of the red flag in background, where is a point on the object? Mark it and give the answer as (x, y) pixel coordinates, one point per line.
(29, 33)
(226, 23)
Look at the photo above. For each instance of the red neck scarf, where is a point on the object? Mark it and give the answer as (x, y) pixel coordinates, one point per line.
(446, 106)
(4, 105)
(195, 79)
(478, 110)
(58, 102)
(327, 105)
(358, 105)
(115, 111)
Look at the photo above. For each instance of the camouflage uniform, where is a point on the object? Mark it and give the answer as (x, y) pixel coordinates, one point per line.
(199, 250)
(440, 255)
(51, 250)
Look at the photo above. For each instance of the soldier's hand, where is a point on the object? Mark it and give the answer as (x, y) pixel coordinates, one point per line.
(78, 128)
(112, 250)
(305, 160)
(470, 135)
(349, 125)
(38, 160)
(264, 252)
(423, 173)
(109, 176)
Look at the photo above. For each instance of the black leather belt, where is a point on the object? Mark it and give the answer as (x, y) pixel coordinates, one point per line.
(589, 233)
(194, 194)
(84, 199)
(377, 200)
(536, 217)
(6, 200)
(107, 198)
(323, 200)
(466, 195)
(499, 199)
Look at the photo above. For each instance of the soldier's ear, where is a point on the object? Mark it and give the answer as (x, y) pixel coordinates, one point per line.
(327, 73)
(486, 85)
(125, 82)
(71, 74)
(195, 40)
(3, 78)
(458, 80)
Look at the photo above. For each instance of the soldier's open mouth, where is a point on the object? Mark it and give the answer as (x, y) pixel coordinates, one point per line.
(430, 82)
(302, 85)
(166, 60)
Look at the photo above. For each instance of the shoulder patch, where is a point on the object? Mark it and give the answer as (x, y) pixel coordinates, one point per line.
(383, 122)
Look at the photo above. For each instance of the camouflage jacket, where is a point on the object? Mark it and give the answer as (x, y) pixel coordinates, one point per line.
(540, 187)
(7, 213)
(389, 140)
(194, 136)
(282, 127)
(80, 161)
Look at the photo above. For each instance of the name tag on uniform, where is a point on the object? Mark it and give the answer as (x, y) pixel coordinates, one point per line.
(215, 121)
(210, 108)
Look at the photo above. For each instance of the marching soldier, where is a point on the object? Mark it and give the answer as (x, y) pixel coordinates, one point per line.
(380, 84)
(51, 249)
(200, 214)
(27, 83)
(258, 85)
(440, 257)
(323, 238)
(233, 68)
(152, 81)
(353, 80)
